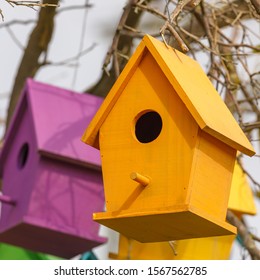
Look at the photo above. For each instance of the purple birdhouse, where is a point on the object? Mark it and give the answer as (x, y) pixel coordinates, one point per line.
(52, 183)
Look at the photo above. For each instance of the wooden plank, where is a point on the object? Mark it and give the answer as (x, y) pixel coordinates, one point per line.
(159, 225)
(166, 160)
(199, 95)
(211, 177)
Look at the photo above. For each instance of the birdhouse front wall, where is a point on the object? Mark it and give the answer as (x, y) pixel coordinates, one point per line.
(149, 131)
(19, 169)
(60, 193)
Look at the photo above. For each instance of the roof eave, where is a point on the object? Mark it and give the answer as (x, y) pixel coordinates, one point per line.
(243, 145)
(90, 135)
(246, 148)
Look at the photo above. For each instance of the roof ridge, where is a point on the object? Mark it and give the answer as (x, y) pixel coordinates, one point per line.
(192, 86)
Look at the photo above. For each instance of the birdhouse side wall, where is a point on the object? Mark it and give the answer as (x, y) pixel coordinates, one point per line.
(64, 198)
(212, 171)
(20, 164)
(166, 160)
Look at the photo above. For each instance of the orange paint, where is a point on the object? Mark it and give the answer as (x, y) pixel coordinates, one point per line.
(164, 120)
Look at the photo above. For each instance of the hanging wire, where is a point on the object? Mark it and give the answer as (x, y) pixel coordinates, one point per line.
(173, 247)
(81, 44)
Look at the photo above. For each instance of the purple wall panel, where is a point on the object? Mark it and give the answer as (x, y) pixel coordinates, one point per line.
(55, 181)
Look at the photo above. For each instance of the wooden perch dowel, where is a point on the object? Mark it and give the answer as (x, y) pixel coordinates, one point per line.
(141, 179)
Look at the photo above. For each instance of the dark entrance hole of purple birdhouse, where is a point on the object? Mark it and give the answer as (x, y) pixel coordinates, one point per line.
(23, 155)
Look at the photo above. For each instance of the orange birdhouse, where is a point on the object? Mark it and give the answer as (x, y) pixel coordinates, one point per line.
(168, 146)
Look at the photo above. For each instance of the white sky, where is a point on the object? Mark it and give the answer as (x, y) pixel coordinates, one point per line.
(101, 21)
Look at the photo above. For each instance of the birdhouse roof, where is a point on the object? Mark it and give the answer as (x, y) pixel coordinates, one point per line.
(59, 117)
(193, 87)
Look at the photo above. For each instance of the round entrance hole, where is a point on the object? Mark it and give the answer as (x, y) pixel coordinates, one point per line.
(148, 127)
(23, 155)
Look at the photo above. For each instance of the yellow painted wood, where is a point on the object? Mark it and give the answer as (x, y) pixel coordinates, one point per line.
(164, 121)
(158, 225)
(199, 95)
(91, 135)
(193, 87)
(141, 179)
(212, 170)
(241, 199)
(211, 248)
(167, 160)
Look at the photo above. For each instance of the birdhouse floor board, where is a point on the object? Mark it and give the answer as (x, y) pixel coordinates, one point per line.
(159, 226)
(48, 241)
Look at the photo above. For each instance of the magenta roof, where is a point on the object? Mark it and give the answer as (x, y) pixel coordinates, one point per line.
(59, 119)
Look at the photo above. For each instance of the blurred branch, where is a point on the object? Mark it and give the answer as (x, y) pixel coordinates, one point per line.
(250, 126)
(114, 47)
(75, 7)
(69, 61)
(13, 22)
(120, 49)
(37, 45)
(256, 5)
(251, 178)
(31, 3)
(14, 38)
(246, 236)
(256, 238)
(59, 11)
(150, 10)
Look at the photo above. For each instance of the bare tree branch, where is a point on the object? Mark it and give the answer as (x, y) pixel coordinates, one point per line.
(121, 44)
(30, 3)
(38, 43)
(256, 5)
(246, 236)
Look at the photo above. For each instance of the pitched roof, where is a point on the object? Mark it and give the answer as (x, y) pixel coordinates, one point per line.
(193, 87)
(59, 117)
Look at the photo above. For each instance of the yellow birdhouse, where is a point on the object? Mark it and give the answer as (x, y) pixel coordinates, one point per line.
(208, 248)
(241, 200)
(168, 146)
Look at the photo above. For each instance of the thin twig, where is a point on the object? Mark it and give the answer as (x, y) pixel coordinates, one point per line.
(30, 3)
(114, 46)
(248, 173)
(151, 10)
(70, 60)
(13, 22)
(168, 25)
